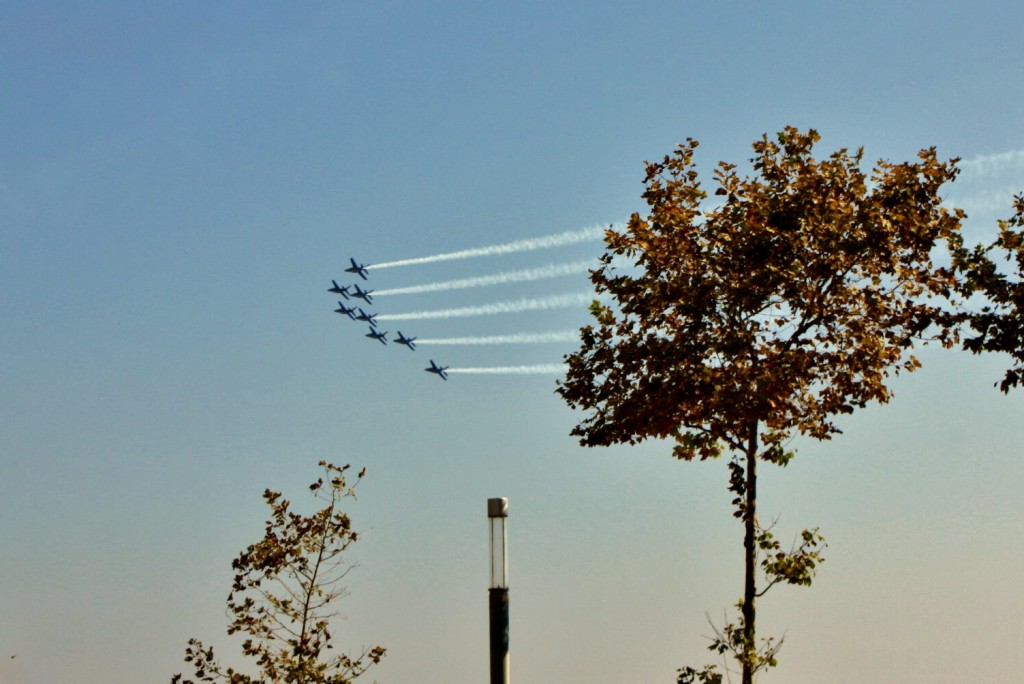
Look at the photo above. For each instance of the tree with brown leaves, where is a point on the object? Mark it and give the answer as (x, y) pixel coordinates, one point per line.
(998, 325)
(283, 593)
(734, 328)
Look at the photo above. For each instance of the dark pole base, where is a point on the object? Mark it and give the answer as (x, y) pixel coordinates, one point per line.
(498, 601)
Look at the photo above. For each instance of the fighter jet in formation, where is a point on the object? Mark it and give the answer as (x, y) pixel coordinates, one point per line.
(357, 314)
(358, 269)
(407, 341)
(379, 336)
(350, 312)
(369, 318)
(363, 294)
(440, 370)
(338, 289)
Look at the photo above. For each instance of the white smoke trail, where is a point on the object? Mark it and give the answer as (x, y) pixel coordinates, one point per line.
(517, 338)
(526, 275)
(993, 202)
(988, 165)
(553, 302)
(986, 188)
(542, 369)
(571, 237)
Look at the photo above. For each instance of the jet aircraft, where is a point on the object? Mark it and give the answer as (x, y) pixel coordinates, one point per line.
(358, 269)
(363, 294)
(342, 309)
(379, 336)
(369, 318)
(440, 370)
(338, 289)
(407, 341)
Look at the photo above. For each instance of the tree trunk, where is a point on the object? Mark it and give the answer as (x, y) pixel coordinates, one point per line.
(750, 553)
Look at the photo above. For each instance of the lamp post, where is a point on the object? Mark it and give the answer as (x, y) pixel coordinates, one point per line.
(497, 515)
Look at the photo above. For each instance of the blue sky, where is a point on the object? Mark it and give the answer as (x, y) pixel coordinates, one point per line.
(179, 182)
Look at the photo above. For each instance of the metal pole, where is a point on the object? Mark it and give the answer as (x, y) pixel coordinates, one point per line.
(497, 514)
(499, 635)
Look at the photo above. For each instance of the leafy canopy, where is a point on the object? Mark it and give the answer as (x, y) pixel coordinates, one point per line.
(284, 591)
(735, 327)
(788, 304)
(998, 326)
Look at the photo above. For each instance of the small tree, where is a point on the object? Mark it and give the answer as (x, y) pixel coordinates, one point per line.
(999, 324)
(283, 593)
(741, 326)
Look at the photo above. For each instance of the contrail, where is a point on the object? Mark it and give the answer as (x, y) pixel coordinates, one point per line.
(993, 200)
(549, 271)
(988, 184)
(543, 369)
(517, 338)
(554, 302)
(986, 165)
(571, 237)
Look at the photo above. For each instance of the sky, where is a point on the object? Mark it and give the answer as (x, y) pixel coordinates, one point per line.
(179, 184)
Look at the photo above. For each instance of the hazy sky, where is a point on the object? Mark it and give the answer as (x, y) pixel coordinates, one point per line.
(179, 183)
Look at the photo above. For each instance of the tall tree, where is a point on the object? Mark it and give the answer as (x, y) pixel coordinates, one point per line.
(737, 327)
(998, 325)
(283, 594)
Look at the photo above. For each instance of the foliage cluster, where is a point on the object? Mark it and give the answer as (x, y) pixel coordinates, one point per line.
(732, 329)
(998, 326)
(283, 593)
(788, 304)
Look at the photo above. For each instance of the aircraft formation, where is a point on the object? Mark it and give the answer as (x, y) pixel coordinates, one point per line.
(356, 313)
(357, 300)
